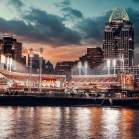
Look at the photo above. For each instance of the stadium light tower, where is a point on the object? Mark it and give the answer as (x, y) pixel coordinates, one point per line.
(79, 67)
(40, 83)
(30, 68)
(114, 65)
(85, 67)
(108, 62)
(10, 63)
(123, 62)
(3, 60)
(7, 62)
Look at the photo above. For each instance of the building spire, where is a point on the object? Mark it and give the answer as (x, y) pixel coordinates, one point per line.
(119, 14)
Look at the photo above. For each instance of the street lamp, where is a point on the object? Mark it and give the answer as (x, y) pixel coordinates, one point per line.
(40, 83)
(108, 62)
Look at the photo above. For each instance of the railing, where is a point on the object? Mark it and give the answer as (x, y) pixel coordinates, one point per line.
(26, 74)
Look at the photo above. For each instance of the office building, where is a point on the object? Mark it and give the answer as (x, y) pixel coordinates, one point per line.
(64, 67)
(94, 57)
(119, 38)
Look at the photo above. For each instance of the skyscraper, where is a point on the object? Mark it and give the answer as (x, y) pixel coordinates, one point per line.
(94, 57)
(10, 52)
(119, 38)
(9, 46)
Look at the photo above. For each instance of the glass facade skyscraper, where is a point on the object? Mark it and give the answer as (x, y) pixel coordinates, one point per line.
(119, 38)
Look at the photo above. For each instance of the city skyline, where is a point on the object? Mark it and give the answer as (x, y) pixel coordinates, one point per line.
(69, 69)
(66, 27)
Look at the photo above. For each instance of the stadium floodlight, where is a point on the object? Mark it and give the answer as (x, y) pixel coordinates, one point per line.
(7, 63)
(31, 52)
(123, 61)
(114, 65)
(85, 67)
(114, 62)
(10, 63)
(108, 64)
(41, 57)
(30, 69)
(3, 59)
(79, 67)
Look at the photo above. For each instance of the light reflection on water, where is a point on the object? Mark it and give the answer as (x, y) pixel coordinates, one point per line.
(68, 123)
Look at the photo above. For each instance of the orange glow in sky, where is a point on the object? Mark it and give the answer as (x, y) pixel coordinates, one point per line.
(55, 54)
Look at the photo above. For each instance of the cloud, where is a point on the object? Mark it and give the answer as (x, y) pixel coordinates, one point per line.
(70, 12)
(18, 4)
(134, 18)
(135, 0)
(39, 26)
(93, 28)
(66, 3)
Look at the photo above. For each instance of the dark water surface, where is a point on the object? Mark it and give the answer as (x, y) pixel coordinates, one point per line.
(68, 123)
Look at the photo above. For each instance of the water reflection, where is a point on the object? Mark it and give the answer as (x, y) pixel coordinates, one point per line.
(68, 123)
(95, 129)
(127, 123)
(110, 123)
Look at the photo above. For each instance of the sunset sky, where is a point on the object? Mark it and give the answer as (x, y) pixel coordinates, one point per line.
(64, 28)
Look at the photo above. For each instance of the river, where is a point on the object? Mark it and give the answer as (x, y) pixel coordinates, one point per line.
(68, 123)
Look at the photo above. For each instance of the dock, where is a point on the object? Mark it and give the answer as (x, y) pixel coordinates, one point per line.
(42, 100)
